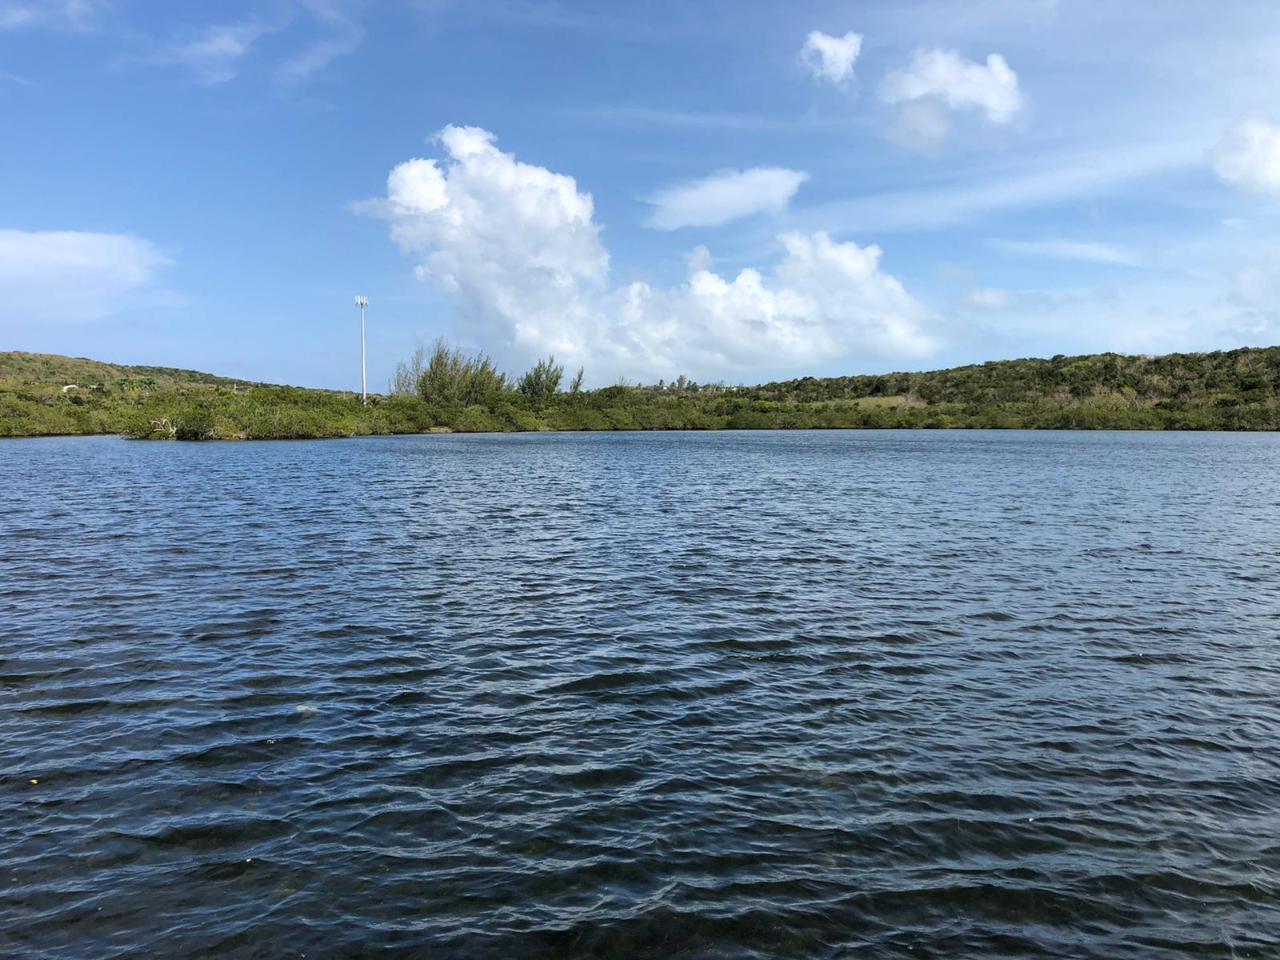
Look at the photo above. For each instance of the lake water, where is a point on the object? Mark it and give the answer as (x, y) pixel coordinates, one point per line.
(651, 695)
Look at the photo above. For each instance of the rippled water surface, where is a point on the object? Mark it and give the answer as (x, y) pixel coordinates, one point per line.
(667, 695)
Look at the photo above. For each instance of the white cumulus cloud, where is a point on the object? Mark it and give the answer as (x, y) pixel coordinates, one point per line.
(519, 248)
(515, 242)
(831, 59)
(1249, 156)
(724, 196)
(937, 81)
(71, 276)
(822, 300)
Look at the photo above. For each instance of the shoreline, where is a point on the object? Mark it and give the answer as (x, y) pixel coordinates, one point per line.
(641, 430)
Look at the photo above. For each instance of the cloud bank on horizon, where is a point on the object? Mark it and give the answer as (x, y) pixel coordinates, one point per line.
(793, 191)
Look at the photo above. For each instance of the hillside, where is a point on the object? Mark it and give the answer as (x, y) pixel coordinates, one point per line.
(46, 395)
(1229, 390)
(19, 369)
(1233, 377)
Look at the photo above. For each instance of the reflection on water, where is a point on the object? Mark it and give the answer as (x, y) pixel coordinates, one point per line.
(673, 695)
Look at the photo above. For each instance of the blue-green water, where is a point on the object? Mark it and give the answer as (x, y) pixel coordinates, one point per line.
(670, 695)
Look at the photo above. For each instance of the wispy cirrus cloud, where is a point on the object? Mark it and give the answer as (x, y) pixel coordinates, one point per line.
(637, 116)
(217, 53)
(319, 55)
(969, 195)
(340, 35)
(51, 14)
(70, 276)
(724, 196)
(987, 298)
(1061, 249)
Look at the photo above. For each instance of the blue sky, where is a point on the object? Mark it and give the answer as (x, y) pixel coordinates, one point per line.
(730, 190)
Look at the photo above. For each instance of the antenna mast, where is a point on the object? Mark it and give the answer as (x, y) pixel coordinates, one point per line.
(362, 302)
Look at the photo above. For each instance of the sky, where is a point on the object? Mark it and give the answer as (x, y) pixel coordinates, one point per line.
(731, 190)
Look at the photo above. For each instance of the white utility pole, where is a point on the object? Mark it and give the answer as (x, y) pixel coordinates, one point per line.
(362, 302)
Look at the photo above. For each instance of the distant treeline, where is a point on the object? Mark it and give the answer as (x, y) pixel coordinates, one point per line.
(445, 389)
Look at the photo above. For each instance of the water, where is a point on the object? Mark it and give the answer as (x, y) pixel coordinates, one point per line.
(671, 695)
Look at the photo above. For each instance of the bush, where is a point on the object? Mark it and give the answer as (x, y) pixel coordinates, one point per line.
(193, 424)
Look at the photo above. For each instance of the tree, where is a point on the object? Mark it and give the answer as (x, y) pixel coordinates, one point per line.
(542, 382)
(409, 373)
(451, 379)
(440, 380)
(575, 386)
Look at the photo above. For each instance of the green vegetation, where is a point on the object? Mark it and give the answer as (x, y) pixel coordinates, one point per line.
(446, 390)
(541, 384)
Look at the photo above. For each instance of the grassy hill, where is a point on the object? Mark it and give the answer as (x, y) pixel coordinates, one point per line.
(19, 369)
(46, 395)
(1228, 378)
(1228, 390)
